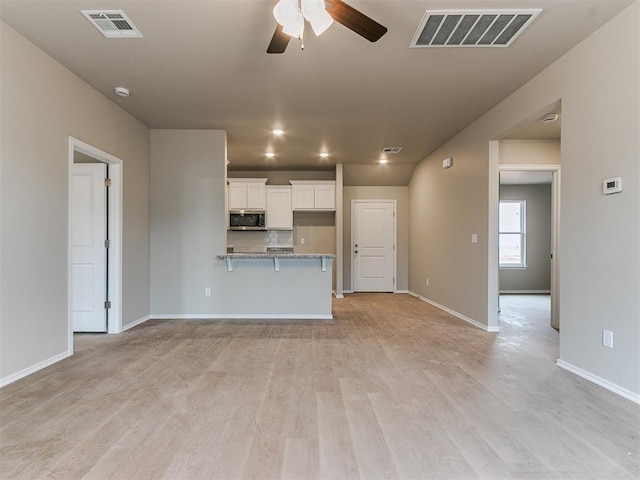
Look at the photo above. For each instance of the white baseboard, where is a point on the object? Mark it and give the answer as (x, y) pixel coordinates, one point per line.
(456, 314)
(525, 292)
(347, 291)
(33, 369)
(402, 291)
(612, 387)
(135, 323)
(242, 316)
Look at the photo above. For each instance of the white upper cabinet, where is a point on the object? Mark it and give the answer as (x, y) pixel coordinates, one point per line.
(313, 194)
(247, 193)
(279, 208)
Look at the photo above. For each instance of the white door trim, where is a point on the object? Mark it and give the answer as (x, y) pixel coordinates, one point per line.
(114, 316)
(395, 239)
(555, 235)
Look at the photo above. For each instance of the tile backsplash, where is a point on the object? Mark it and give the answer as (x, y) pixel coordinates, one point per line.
(251, 242)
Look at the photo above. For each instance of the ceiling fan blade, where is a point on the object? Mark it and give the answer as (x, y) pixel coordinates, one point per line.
(356, 21)
(279, 41)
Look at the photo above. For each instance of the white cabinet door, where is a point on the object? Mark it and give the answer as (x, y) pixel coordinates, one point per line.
(256, 196)
(279, 208)
(247, 193)
(314, 194)
(237, 196)
(325, 197)
(303, 197)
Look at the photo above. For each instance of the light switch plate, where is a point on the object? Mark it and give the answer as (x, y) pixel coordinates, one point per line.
(474, 238)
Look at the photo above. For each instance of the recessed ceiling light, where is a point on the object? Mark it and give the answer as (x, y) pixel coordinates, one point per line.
(383, 161)
(270, 154)
(550, 118)
(277, 131)
(324, 154)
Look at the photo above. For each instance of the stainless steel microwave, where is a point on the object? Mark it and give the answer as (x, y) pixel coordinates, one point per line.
(247, 220)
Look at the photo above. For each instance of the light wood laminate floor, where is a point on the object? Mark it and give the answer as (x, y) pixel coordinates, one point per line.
(393, 388)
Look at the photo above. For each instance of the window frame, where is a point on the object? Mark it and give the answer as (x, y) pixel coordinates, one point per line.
(523, 236)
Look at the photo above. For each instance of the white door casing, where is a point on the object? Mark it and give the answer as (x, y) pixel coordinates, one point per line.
(115, 216)
(373, 245)
(88, 251)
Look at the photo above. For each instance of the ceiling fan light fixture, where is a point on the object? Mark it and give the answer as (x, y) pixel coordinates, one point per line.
(295, 27)
(285, 11)
(315, 12)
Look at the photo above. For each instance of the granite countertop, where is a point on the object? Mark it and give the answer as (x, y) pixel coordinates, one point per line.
(256, 255)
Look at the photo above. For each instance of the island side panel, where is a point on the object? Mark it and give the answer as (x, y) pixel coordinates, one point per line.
(300, 289)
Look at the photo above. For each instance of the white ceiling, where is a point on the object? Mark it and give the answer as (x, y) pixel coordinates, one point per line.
(202, 65)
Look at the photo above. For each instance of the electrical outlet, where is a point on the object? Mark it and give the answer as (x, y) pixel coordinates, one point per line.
(607, 338)
(207, 292)
(301, 241)
(427, 282)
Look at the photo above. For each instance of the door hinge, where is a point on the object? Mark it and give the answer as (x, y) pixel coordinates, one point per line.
(107, 304)
(107, 243)
(107, 182)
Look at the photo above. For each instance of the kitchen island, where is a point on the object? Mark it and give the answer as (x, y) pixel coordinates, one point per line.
(280, 285)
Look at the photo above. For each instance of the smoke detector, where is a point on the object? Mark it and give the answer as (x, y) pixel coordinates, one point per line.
(122, 92)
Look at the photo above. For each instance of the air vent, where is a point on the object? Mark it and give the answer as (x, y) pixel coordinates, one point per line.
(472, 28)
(391, 149)
(112, 23)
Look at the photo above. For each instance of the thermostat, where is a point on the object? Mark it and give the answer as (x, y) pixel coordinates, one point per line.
(612, 185)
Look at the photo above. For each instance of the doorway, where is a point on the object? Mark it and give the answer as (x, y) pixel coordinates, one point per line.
(533, 175)
(89, 245)
(525, 243)
(373, 252)
(83, 153)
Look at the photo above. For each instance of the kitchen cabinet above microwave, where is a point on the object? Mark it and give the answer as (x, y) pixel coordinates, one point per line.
(313, 195)
(247, 193)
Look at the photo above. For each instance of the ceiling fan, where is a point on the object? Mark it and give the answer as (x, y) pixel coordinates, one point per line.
(291, 14)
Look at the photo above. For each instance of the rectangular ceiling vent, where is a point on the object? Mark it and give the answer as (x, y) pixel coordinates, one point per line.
(391, 149)
(472, 28)
(112, 23)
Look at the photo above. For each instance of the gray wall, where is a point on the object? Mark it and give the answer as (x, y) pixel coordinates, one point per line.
(187, 219)
(530, 152)
(282, 177)
(537, 276)
(42, 105)
(188, 231)
(401, 195)
(598, 284)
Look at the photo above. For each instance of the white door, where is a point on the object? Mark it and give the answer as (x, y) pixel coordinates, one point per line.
(88, 251)
(373, 250)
